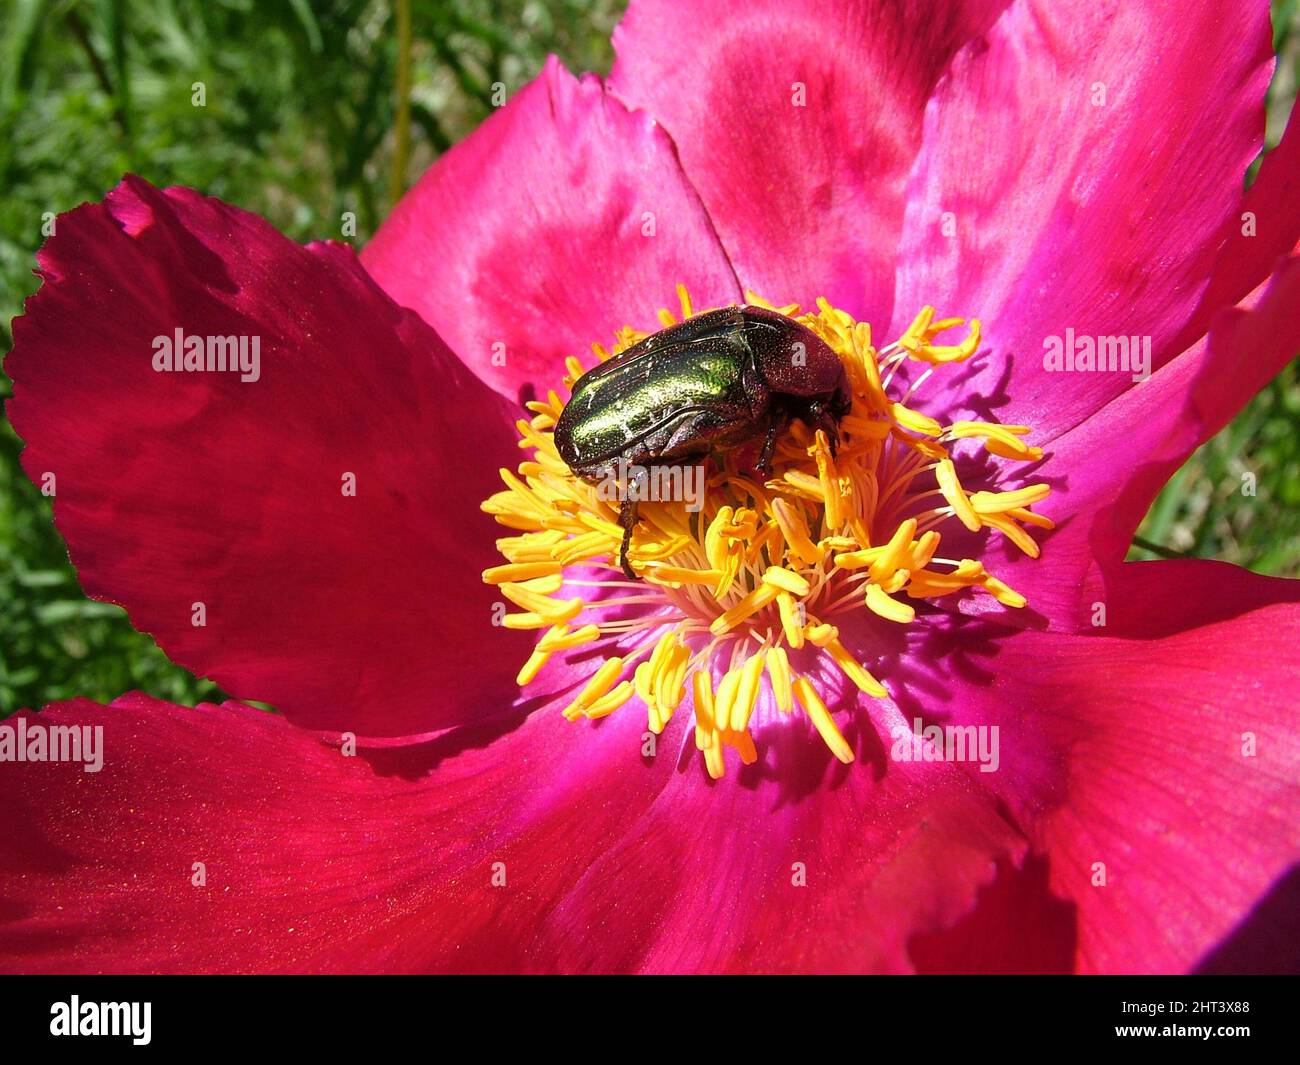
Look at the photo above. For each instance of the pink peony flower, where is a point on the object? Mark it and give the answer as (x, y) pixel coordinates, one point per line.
(749, 795)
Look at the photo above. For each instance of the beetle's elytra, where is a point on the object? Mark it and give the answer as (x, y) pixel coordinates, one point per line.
(720, 379)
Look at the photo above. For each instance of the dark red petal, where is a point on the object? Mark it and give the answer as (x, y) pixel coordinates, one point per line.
(1266, 229)
(349, 612)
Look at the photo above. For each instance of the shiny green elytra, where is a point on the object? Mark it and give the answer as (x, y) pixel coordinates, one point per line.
(718, 380)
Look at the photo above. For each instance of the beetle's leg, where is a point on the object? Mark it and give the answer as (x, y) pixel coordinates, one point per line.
(778, 424)
(627, 518)
(823, 419)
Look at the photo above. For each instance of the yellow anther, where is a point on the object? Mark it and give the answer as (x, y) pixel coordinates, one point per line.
(858, 559)
(748, 606)
(887, 607)
(746, 693)
(927, 583)
(782, 578)
(532, 667)
(715, 545)
(1030, 518)
(915, 421)
(827, 638)
(1012, 532)
(916, 332)
(789, 517)
(1001, 502)
(894, 553)
(923, 550)
(542, 604)
(829, 481)
(1002, 593)
(778, 672)
(641, 680)
(607, 704)
(705, 731)
(561, 639)
(714, 763)
(946, 475)
(599, 684)
(661, 573)
(806, 485)
(822, 720)
(662, 653)
(519, 571)
(684, 298)
(726, 696)
(820, 633)
(526, 621)
(792, 623)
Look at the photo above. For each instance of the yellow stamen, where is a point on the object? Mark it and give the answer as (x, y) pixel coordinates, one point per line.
(821, 718)
(791, 623)
(746, 694)
(881, 603)
(795, 530)
(778, 671)
(519, 571)
(596, 687)
(946, 475)
(729, 586)
(561, 639)
(747, 607)
(607, 704)
(782, 578)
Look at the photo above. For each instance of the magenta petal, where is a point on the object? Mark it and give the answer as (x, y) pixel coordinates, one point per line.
(797, 123)
(1266, 229)
(346, 611)
(796, 864)
(562, 219)
(552, 846)
(1170, 761)
(1077, 171)
(313, 861)
(1105, 473)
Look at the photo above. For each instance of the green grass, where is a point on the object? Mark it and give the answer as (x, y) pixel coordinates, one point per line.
(299, 125)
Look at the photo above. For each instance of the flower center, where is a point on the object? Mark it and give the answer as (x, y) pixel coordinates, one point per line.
(747, 583)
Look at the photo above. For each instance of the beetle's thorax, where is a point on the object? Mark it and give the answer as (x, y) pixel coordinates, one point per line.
(714, 381)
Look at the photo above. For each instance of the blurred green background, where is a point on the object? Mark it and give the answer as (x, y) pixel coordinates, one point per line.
(301, 124)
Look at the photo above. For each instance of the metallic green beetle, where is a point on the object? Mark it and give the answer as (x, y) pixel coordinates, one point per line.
(718, 380)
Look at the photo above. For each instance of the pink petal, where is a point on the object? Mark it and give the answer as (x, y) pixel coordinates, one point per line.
(1106, 472)
(806, 197)
(1131, 753)
(347, 612)
(1073, 210)
(562, 219)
